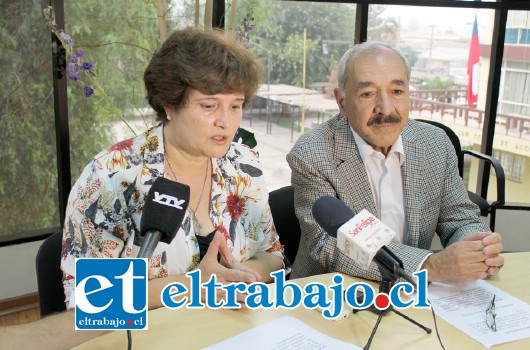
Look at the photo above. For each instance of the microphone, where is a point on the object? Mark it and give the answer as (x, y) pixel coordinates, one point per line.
(164, 210)
(362, 237)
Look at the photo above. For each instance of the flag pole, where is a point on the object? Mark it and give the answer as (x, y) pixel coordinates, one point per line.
(303, 82)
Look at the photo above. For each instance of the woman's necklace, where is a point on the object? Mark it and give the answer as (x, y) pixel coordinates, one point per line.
(203, 185)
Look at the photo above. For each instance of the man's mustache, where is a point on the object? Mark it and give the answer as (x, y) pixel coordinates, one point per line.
(380, 119)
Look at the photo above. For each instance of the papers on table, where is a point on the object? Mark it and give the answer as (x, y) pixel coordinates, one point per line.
(465, 308)
(285, 333)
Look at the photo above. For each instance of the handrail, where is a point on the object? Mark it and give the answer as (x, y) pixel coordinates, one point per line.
(521, 123)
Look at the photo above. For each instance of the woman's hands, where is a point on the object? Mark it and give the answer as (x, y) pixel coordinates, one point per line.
(227, 269)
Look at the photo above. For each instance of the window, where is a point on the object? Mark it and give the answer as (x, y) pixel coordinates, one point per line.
(516, 88)
(438, 52)
(120, 46)
(293, 100)
(512, 130)
(28, 175)
(513, 165)
(121, 40)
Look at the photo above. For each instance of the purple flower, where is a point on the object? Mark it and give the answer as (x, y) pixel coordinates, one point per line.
(78, 53)
(72, 66)
(72, 69)
(88, 91)
(72, 75)
(244, 29)
(72, 63)
(87, 66)
(66, 38)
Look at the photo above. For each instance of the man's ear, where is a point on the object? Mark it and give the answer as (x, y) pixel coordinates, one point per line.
(339, 98)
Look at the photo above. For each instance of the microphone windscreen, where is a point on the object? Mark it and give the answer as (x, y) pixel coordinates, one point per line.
(330, 213)
(165, 208)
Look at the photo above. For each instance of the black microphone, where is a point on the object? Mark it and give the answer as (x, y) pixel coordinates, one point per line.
(330, 213)
(164, 210)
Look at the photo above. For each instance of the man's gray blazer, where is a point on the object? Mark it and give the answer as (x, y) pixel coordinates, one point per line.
(326, 161)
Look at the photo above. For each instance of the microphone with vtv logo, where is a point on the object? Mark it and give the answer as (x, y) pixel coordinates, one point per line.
(164, 211)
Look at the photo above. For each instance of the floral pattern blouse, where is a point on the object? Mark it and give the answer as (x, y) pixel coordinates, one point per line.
(105, 207)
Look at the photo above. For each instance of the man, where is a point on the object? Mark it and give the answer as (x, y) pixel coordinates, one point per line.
(371, 156)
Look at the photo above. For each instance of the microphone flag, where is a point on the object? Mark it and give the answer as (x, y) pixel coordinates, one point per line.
(361, 237)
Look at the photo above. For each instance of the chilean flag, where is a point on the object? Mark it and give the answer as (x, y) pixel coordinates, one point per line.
(473, 67)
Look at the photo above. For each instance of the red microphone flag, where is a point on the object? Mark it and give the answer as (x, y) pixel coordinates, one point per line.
(473, 67)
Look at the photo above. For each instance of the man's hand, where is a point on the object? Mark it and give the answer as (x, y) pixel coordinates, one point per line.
(492, 248)
(476, 257)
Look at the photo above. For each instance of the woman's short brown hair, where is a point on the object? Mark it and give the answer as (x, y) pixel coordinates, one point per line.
(201, 59)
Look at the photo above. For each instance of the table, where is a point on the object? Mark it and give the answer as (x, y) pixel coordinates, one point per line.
(194, 329)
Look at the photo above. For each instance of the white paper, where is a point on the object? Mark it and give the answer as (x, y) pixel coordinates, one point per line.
(285, 333)
(465, 308)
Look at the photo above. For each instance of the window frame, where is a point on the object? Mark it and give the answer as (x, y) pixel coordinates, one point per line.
(501, 8)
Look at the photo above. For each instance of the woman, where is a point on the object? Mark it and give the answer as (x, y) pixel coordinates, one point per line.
(197, 83)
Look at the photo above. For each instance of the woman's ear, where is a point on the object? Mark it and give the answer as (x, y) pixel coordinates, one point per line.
(168, 113)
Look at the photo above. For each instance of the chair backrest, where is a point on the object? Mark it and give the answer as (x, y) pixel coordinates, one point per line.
(281, 202)
(486, 208)
(454, 140)
(50, 276)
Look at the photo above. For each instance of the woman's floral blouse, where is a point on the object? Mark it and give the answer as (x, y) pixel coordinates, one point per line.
(105, 207)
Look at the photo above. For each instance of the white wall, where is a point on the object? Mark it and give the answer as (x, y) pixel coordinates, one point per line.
(514, 225)
(17, 269)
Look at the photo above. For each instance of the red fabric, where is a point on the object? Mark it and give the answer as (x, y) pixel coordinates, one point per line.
(473, 67)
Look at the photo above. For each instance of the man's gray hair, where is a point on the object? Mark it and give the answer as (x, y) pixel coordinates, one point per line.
(357, 50)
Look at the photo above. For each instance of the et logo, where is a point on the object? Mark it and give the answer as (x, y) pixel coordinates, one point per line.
(111, 294)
